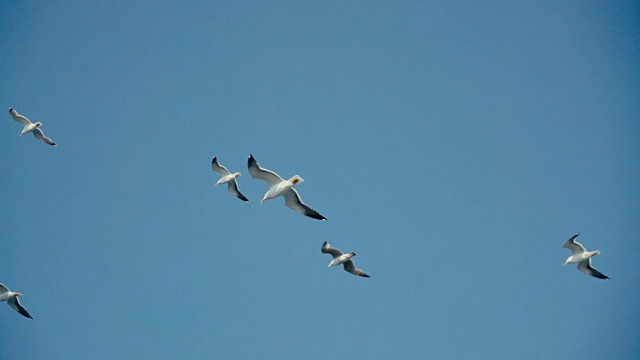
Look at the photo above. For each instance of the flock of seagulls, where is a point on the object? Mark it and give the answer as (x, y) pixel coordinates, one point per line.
(285, 188)
(277, 186)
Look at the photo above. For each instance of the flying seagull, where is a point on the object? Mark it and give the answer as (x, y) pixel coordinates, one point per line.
(227, 178)
(583, 257)
(279, 186)
(12, 299)
(342, 259)
(30, 127)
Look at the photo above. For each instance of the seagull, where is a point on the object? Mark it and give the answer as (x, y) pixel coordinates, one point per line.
(279, 186)
(227, 178)
(12, 299)
(342, 259)
(30, 127)
(583, 257)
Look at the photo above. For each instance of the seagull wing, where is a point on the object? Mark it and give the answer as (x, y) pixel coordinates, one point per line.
(233, 188)
(263, 174)
(292, 200)
(575, 247)
(15, 304)
(350, 267)
(3, 290)
(215, 166)
(38, 134)
(19, 118)
(327, 249)
(585, 267)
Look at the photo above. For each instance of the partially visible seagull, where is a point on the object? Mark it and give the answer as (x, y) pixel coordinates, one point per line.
(30, 127)
(342, 259)
(12, 299)
(583, 257)
(279, 186)
(227, 178)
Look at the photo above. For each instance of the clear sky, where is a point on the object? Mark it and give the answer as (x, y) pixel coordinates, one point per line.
(454, 146)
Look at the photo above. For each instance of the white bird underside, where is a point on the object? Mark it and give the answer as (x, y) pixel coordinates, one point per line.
(348, 265)
(30, 127)
(291, 196)
(580, 255)
(228, 178)
(12, 300)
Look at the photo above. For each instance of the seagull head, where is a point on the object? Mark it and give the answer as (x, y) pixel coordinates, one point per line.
(568, 261)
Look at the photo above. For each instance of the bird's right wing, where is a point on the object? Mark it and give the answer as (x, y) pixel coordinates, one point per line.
(350, 267)
(15, 304)
(233, 189)
(38, 134)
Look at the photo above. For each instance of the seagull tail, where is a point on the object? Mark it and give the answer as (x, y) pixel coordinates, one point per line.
(296, 179)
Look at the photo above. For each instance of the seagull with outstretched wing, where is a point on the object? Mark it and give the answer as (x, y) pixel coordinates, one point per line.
(340, 258)
(30, 127)
(281, 187)
(12, 299)
(583, 257)
(227, 178)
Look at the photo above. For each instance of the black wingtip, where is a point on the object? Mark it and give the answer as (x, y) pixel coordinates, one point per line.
(10, 110)
(325, 245)
(365, 275)
(314, 214)
(214, 159)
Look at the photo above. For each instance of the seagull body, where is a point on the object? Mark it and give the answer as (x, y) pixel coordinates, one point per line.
(12, 299)
(30, 127)
(583, 257)
(342, 259)
(281, 187)
(227, 178)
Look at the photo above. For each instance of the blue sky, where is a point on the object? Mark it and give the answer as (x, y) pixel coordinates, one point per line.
(454, 146)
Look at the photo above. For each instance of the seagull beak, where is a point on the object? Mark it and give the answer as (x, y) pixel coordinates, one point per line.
(261, 201)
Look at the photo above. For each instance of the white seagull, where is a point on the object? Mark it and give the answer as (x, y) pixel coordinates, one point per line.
(342, 259)
(279, 186)
(30, 127)
(12, 299)
(227, 178)
(583, 257)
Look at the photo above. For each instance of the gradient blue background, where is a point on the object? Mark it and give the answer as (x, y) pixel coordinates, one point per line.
(454, 146)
